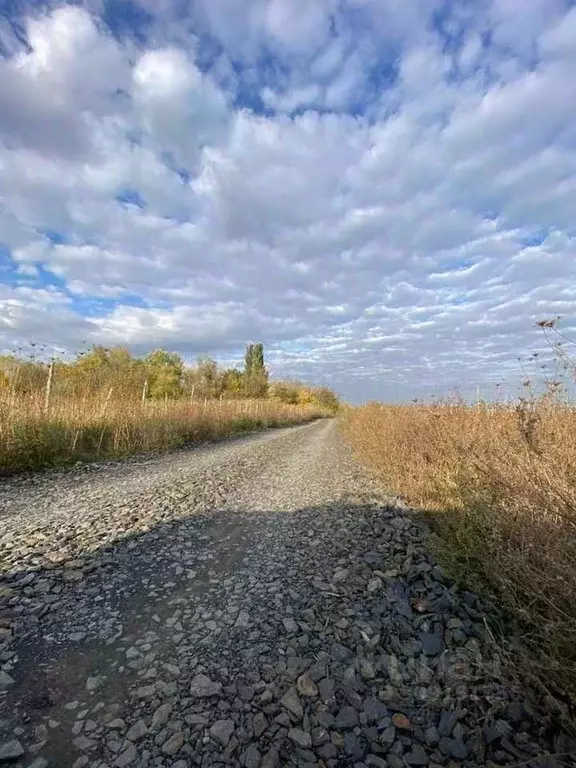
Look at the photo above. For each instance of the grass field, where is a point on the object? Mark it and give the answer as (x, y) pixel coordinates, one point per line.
(498, 484)
(34, 434)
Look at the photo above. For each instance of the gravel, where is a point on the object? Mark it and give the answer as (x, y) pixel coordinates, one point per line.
(256, 603)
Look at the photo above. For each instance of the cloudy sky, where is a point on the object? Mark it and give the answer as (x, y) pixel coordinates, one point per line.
(382, 191)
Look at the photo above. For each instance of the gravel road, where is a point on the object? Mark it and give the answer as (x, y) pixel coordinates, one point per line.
(256, 603)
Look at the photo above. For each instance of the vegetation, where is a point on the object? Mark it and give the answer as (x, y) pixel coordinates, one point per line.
(498, 483)
(107, 403)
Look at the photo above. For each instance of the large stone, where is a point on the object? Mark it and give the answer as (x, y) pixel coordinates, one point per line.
(271, 759)
(174, 743)
(11, 750)
(373, 559)
(346, 718)
(160, 717)
(202, 687)
(375, 710)
(300, 738)
(5, 680)
(259, 724)
(306, 686)
(447, 722)
(432, 643)
(243, 620)
(291, 701)
(252, 757)
(339, 652)
(416, 756)
(127, 757)
(327, 688)
(353, 746)
(290, 625)
(137, 731)
(221, 731)
(340, 575)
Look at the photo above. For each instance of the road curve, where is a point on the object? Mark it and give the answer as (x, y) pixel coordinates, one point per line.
(256, 603)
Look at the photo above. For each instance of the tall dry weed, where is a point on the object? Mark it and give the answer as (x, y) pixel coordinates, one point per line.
(35, 433)
(499, 486)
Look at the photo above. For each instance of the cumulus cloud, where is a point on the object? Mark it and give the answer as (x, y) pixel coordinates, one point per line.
(382, 193)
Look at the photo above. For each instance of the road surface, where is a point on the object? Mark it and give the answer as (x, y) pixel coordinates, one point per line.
(258, 602)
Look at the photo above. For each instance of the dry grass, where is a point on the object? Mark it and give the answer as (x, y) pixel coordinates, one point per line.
(500, 486)
(96, 427)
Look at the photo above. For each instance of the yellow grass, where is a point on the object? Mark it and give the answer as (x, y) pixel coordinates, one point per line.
(499, 484)
(100, 427)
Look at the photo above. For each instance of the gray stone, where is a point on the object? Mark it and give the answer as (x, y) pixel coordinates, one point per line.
(353, 746)
(416, 756)
(374, 585)
(160, 717)
(319, 736)
(290, 625)
(340, 575)
(367, 670)
(327, 751)
(93, 683)
(373, 559)
(259, 724)
(291, 701)
(346, 718)
(432, 643)
(458, 749)
(373, 761)
(497, 731)
(222, 730)
(300, 738)
(243, 620)
(431, 736)
(116, 725)
(5, 680)
(11, 750)
(174, 743)
(127, 757)
(447, 722)
(327, 688)
(40, 762)
(137, 731)
(83, 743)
(203, 687)
(271, 759)
(375, 710)
(252, 757)
(387, 736)
(339, 652)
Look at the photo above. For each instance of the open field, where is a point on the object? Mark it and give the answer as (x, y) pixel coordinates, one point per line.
(498, 484)
(34, 434)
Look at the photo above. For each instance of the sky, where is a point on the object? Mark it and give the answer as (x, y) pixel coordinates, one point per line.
(382, 192)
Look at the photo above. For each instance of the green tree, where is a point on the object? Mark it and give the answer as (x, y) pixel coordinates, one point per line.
(255, 373)
(326, 398)
(164, 372)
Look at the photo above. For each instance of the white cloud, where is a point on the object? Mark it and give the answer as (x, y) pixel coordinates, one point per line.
(400, 213)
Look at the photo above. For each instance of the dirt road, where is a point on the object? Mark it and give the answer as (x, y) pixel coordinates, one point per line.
(255, 603)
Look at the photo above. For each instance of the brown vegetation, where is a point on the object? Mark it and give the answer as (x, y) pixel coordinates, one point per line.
(108, 404)
(498, 483)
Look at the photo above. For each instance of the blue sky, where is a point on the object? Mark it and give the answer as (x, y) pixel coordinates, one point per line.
(381, 192)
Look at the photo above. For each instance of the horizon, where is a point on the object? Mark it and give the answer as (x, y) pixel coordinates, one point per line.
(382, 194)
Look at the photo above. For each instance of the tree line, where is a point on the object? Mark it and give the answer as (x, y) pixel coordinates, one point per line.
(158, 375)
